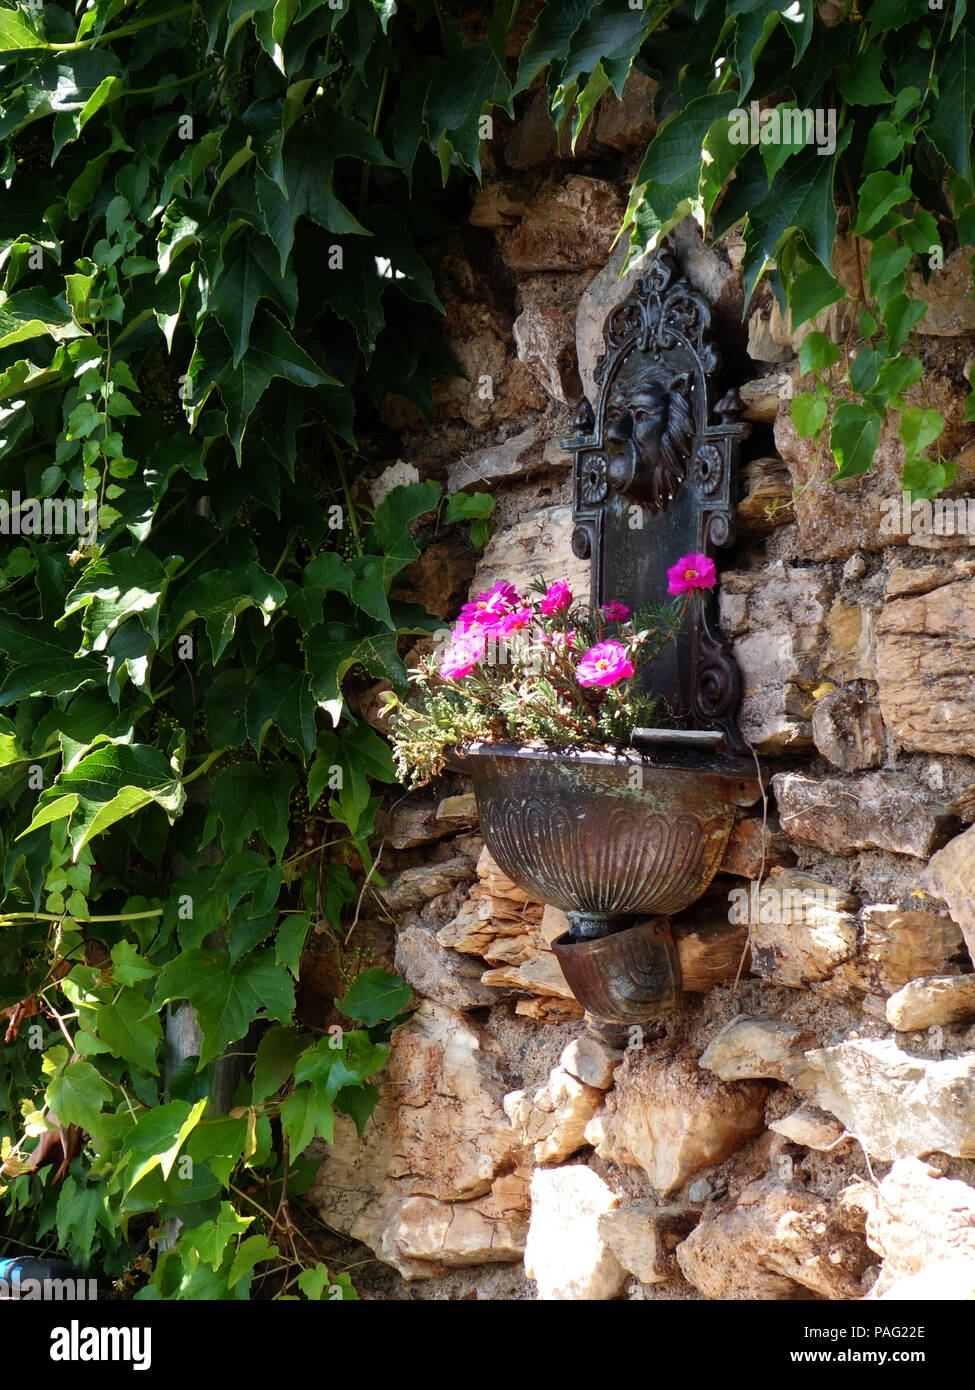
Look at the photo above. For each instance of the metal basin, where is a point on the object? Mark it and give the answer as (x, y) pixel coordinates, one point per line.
(610, 837)
(605, 835)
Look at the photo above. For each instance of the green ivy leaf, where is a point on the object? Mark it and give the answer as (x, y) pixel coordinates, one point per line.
(279, 1049)
(76, 1095)
(227, 997)
(816, 352)
(131, 1030)
(373, 996)
(860, 82)
(949, 129)
(853, 438)
(879, 193)
(918, 428)
(109, 784)
(281, 695)
(249, 272)
(808, 413)
(245, 799)
(155, 1141)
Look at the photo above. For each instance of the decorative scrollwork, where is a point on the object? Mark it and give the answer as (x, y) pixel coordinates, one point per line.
(655, 442)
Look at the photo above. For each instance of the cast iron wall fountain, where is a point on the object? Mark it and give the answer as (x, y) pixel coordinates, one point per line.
(620, 840)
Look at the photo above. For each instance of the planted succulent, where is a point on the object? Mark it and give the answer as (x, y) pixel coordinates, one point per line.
(539, 668)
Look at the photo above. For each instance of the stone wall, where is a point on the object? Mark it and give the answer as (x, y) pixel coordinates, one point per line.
(804, 1126)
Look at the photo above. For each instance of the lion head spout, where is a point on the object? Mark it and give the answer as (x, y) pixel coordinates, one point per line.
(649, 435)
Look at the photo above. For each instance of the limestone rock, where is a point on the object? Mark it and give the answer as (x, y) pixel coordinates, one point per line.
(644, 1237)
(754, 1047)
(416, 822)
(450, 1084)
(926, 668)
(540, 975)
(436, 973)
(627, 123)
(710, 953)
(951, 312)
(777, 1242)
(671, 1119)
(598, 300)
(398, 474)
(833, 519)
(799, 930)
(810, 1127)
(949, 1280)
(918, 1221)
(951, 875)
(776, 620)
(532, 144)
(440, 577)
(848, 731)
(545, 1008)
(878, 810)
(753, 849)
(439, 1134)
(518, 456)
(552, 1119)
(767, 500)
(896, 1104)
(591, 1061)
(460, 810)
(568, 226)
(850, 644)
(898, 945)
(763, 397)
(490, 1230)
(499, 205)
(928, 1003)
(412, 887)
(538, 544)
(566, 1255)
(921, 579)
(545, 342)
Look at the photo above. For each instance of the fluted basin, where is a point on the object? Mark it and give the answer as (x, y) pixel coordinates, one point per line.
(610, 837)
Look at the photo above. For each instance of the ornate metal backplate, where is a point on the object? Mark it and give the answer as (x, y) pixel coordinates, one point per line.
(655, 475)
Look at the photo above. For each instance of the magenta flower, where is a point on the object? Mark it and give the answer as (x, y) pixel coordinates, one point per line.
(557, 597)
(463, 654)
(691, 572)
(604, 664)
(489, 608)
(615, 612)
(516, 620)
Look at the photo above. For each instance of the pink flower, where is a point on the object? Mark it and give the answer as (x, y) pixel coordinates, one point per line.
(604, 664)
(557, 597)
(463, 654)
(514, 621)
(691, 572)
(615, 612)
(557, 639)
(488, 608)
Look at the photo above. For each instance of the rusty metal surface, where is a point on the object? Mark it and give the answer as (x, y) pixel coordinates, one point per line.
(625, 978)
(607, 834)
